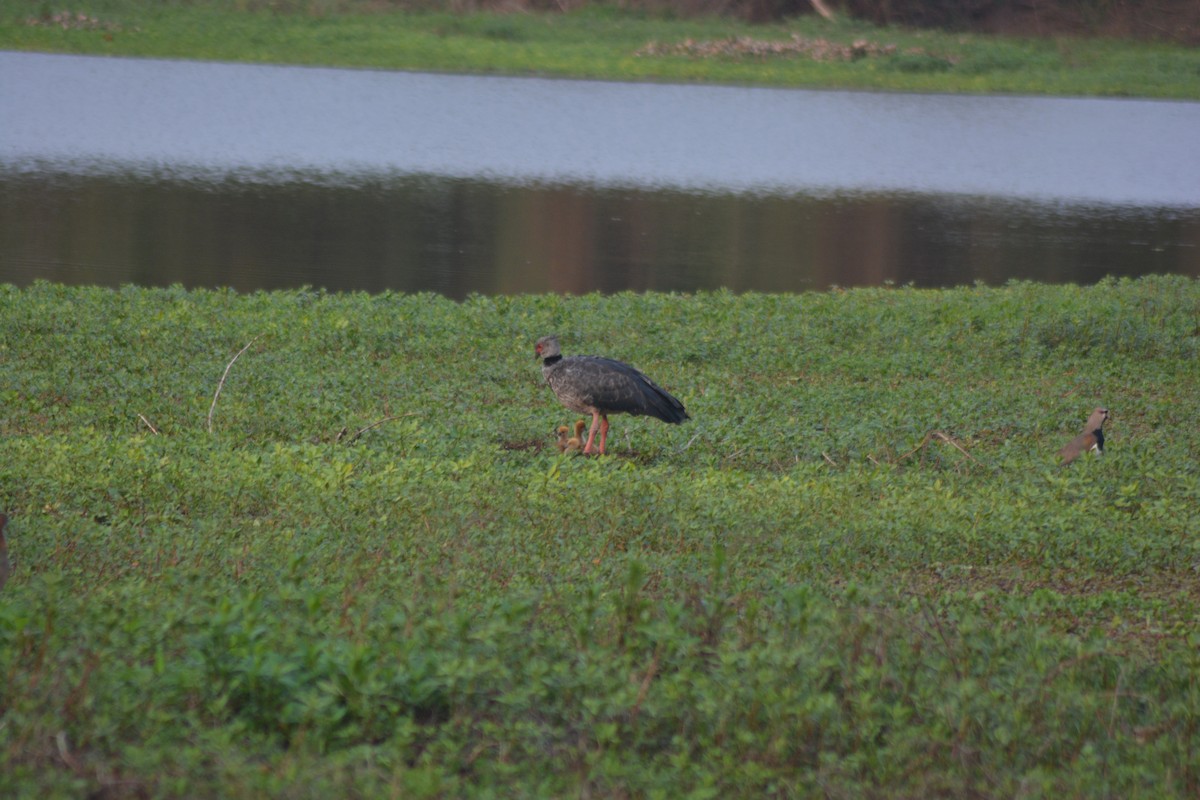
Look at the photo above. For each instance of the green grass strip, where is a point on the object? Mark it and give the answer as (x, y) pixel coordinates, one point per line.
(602, 42)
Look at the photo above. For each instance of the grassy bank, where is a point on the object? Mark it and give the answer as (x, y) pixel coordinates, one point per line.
(602, 42)
(787, 596)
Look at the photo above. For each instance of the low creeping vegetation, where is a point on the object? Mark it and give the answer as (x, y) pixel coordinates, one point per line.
(856, 572)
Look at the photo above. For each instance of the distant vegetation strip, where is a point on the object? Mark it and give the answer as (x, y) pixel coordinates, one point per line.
(310, 545)
(606, 42)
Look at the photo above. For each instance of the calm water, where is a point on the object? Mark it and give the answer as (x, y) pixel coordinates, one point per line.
(153, 172)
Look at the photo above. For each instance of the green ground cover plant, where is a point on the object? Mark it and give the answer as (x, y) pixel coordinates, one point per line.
(374, 575)
(603, 41)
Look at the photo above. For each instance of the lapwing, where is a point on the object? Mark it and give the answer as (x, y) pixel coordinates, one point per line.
(1092, 438)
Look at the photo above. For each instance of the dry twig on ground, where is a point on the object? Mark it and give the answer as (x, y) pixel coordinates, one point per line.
(225, 375)
(944, 437)
(361, 431)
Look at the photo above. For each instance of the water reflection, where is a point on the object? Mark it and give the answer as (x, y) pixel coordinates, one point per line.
(202, 117)
(457, 236)
(157, 172)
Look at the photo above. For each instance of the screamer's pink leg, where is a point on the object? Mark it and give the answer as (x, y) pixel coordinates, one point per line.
(603, 433)
(587, 448)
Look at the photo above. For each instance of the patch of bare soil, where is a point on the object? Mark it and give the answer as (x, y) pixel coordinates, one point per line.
(71, 20)
(742, 46)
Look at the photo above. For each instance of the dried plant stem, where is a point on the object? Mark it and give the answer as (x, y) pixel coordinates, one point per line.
(225, 375)
(950, 440)
(651, 671)
(153, 429)
(823, 9)
(361, 431)
(945, 438)
(924, 441)
(64, 752)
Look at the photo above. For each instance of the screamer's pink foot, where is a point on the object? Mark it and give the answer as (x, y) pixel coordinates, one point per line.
(587, 448)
